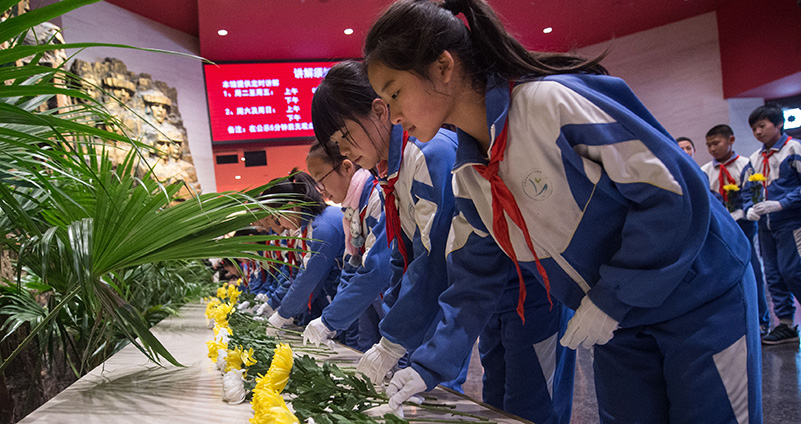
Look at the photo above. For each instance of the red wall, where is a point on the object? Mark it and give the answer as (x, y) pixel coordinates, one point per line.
(760, 42)
(281, 158)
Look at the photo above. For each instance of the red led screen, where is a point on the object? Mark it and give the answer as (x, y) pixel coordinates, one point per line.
(260, 101)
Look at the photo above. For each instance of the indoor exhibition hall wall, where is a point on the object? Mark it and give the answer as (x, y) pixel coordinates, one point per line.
(675, 70)
(105, 22)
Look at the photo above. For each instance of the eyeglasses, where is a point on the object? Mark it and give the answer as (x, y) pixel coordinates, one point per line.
(322, 179)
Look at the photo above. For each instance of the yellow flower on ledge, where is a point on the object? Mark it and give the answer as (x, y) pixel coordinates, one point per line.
(220, 313)
(233, 361)
(213, 303)
(247, 357)
(731, 187)
(278, 374)
(233, 293)
(757, 177)
(269, 408)
(214, 346)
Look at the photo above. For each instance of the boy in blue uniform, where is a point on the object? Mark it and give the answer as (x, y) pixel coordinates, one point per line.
(777, 210)
(728, 174)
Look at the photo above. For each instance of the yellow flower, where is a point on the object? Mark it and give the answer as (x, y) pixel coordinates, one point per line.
(222, 293)
(220, 313)
(233, 361)
(214, 346)
(269, 408)
(278, 374)
(757, 177)
(233, 293)
(213, 303)
(247, 357)
(731, 187)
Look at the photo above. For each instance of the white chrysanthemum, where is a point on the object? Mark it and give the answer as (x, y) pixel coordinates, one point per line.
(222, 354)
(222, 335)
(234, 387)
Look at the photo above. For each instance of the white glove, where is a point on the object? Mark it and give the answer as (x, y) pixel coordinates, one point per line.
(264, 309)
(317, 332)
(404, 384)
(737, 215)
(588, 327)
(379, 359)
(751, 215)
(277, 322)
(768, 206)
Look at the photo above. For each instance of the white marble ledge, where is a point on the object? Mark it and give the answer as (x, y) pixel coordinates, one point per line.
(128, 388)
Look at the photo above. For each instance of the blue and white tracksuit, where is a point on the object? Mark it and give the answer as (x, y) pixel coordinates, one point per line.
(780, 232)
(358, 296)
(424, 197)
(618, 213)
(321, 264)
(740, 169)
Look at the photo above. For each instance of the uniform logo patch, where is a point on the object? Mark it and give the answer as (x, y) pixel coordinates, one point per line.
(537, 186)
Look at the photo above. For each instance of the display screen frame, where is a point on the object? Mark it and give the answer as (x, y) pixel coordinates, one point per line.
(215, 110)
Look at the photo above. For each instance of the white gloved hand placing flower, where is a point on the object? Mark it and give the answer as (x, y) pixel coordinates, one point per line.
(404, 384)
(737, 215)
(379, 359)
(317, 332)
(589, 326)
(751, 215)
(277, 322)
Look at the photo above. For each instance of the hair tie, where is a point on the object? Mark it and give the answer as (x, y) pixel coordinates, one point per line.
(454, 6)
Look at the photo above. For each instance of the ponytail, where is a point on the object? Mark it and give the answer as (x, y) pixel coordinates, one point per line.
(411, 34)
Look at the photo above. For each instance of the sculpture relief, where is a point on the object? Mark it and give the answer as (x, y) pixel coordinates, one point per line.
(147, 111)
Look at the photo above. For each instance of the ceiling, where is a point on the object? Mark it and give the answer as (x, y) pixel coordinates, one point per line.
(260, 30)
(268, 30)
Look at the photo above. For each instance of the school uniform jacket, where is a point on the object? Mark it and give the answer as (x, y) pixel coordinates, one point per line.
(425, 205)
(320, 265)
(738, 169)
(783, 181)
(358, 289)
(614, 209)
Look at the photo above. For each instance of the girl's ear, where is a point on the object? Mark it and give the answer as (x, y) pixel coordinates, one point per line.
(380, 110)
(443, 67)
(348, 166)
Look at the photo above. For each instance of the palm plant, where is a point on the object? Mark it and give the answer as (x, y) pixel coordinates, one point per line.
(82, 225)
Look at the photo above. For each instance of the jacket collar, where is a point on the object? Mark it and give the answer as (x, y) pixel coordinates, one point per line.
(497, 100)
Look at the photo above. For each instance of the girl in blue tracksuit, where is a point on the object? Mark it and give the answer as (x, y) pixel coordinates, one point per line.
(506, 344)
(358, 296)
(415, 178)
(578, 183)
(320, 249)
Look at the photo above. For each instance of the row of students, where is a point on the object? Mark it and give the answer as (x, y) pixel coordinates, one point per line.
(558, 189)
(771, 205)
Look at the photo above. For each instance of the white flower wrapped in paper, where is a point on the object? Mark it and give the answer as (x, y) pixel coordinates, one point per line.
(234, 387)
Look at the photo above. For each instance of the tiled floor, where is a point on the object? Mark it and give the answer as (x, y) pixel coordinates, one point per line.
(781, 384)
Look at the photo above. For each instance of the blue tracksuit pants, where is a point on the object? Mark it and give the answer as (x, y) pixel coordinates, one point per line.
(780, 254)
(526, 371)
(701, 367)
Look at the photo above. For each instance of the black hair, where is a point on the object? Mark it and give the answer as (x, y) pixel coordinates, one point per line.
(770, 111)
(411, 34)
(722, 130)
(331, 155)
(300, 186)
(344, 94)
(680, 139)
(228, 262)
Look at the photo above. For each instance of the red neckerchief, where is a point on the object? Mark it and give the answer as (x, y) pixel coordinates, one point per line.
(504, 201)
(766, 154)
(392, 214)
(726, 178)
